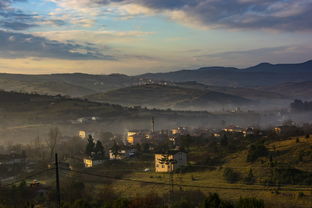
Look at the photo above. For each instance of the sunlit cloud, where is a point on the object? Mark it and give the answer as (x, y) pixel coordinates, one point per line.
(245, 14)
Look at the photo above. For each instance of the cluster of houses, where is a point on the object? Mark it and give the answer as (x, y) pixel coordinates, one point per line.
(139, 137)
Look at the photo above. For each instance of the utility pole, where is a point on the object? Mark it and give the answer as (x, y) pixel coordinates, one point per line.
(171, 182)
(58, 194)
(153, 124)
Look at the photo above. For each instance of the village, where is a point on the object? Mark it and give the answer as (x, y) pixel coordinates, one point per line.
(182, 158)
(95, 150)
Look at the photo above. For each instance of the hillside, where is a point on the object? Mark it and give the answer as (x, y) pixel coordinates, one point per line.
(295, 90)
(25, 116)
(168, 96)
(249, 93)
(260, 75)
(75, 85)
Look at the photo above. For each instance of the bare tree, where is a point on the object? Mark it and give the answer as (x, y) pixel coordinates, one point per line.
(52, 141)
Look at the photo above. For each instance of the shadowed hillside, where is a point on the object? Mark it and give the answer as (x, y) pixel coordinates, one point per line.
(301, 90)
(168, 96)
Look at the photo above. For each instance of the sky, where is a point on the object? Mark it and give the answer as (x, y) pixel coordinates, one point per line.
(140, 36)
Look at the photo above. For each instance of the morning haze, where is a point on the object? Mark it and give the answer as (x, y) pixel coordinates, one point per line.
(155, 103)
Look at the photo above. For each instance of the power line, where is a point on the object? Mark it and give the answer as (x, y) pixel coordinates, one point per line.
(188, 185)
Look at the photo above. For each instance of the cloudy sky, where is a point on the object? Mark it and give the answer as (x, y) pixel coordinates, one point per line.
(137, 36)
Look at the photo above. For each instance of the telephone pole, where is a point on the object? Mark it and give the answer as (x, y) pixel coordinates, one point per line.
(58, 193)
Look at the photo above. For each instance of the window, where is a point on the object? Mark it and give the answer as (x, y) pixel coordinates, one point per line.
(162, 166)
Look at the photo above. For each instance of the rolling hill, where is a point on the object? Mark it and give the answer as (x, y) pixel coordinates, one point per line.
(249, 83)
(249, 93)
(295, 90)
(168, 96)
(75, 85)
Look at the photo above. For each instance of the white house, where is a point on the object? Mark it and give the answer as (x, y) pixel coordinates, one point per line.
(89, 162)
(179, 159)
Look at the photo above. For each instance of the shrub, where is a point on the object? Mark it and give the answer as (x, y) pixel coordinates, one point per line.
(214, 201)
(230, 175)
(250, 203)
(250, 179)
(256, 151)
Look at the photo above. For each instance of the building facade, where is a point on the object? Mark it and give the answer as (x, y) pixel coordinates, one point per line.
(179, 158)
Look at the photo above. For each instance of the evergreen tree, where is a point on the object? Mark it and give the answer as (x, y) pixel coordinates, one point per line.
(99, 149)
(90, 146)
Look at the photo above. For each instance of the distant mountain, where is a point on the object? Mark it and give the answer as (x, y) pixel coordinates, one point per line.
(168, 96)
(282, 68)
(295, 90)
(228, 80)
(260, 75)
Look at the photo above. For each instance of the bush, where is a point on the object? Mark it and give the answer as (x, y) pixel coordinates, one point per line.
(230, 175)
(256, 151)
(291, 176)
(250, 203)
(214, 201)
(250, 179)
(182, 204)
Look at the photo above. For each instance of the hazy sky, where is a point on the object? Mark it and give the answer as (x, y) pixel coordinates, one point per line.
(137, 36)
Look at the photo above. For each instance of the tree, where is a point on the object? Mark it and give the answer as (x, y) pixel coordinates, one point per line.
(214, 201)
(224, 141)
(230, 175)
(186, 142)
(115, 149)
(52, 141)
(145, 147)
(99, 149)
(250, 179)
(90, 146)
(256, 151)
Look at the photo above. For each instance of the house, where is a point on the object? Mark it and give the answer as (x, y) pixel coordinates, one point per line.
(130, 136)
(82, 134)
(91, 162)
(179, 158)
(286, 130)
(233, 129)
(136, 137)
(121, 155)
(179, 130)
(249, 132)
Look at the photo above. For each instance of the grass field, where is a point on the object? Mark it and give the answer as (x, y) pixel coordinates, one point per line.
(129, 180)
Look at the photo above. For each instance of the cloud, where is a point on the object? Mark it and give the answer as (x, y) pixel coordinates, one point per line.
(21, 45)
(14, 19)
(100, 38)
(285, 15)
